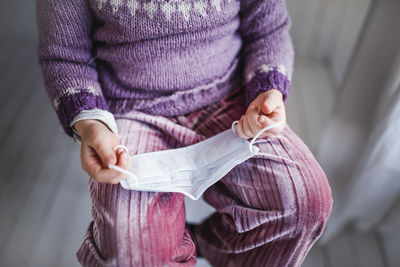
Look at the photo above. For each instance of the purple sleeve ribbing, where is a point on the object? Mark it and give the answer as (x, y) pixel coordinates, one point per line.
(267, 47)
(64, 53)
(265, 81)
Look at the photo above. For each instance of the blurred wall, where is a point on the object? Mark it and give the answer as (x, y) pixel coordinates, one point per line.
(17, 21)
(327, 30)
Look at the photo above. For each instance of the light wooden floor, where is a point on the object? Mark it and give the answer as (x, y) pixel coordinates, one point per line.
(44, 202)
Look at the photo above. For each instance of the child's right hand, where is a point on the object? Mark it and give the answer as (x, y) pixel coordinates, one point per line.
(97, 143)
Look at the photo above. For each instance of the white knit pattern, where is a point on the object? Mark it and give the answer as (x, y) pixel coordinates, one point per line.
(115, 4)
(133, 5)
(168, 9)
(100, 3)
(217, 4)
(265, 68)
(183, 8)
(200, 7)
(150, 8)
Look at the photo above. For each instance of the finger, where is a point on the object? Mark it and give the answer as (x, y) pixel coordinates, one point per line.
(275, 130)
(109, 176)
(124, 162)
(122, 158)
(247, 128)
(90, 161)
(262, 120)
(252, 109)
(240, 130)
(105, 152)
(252, 120)
(113, 176)
(277, 115)
(93, 165)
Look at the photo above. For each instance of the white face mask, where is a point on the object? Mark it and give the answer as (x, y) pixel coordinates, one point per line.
(190, 170)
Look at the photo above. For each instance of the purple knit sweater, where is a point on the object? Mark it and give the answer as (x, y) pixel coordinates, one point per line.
(162, 57)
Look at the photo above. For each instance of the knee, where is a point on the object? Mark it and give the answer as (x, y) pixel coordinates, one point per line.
(144, 227)
(315, 205)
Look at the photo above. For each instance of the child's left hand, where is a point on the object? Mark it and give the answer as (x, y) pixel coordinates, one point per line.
(267, 109)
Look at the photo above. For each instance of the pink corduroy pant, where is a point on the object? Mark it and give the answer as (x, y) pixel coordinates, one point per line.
(270, 209)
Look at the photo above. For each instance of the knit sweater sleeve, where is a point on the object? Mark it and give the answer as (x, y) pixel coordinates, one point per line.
(267, 47)
(64, 53)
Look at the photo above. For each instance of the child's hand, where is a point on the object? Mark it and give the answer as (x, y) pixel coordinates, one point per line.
(97, 143)
(268, 108)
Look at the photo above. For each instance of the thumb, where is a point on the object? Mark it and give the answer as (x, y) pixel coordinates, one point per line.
(269, 104)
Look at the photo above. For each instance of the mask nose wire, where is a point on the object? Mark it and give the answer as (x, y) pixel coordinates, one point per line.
(259, 133)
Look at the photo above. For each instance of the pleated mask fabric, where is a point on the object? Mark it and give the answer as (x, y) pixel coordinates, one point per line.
(192, 169)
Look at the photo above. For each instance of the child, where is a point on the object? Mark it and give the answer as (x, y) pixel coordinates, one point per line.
(159, 74)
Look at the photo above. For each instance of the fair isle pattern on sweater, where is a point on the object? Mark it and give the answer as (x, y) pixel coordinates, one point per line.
(268, 68)
(168, 8)
(161, 57)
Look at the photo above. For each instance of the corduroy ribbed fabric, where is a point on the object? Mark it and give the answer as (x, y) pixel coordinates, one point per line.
(270, 209)
(159, 57)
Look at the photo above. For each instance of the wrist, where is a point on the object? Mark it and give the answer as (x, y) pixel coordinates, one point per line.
(274, 92)
(81, 125)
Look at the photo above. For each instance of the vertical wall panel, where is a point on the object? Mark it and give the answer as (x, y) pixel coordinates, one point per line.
(327, 30)
(330, 27)
(347, 38)
(309, 27)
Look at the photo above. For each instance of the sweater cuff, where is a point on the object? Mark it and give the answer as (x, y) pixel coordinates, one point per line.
(95, 114)
(265, 81)
(69, 106)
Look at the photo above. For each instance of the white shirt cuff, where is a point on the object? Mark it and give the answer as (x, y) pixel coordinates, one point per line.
(95, 114)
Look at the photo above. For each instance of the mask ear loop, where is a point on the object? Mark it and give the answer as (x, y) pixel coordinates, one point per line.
(262, 131)
(115, 167)
(259, 133)
(233, 126)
